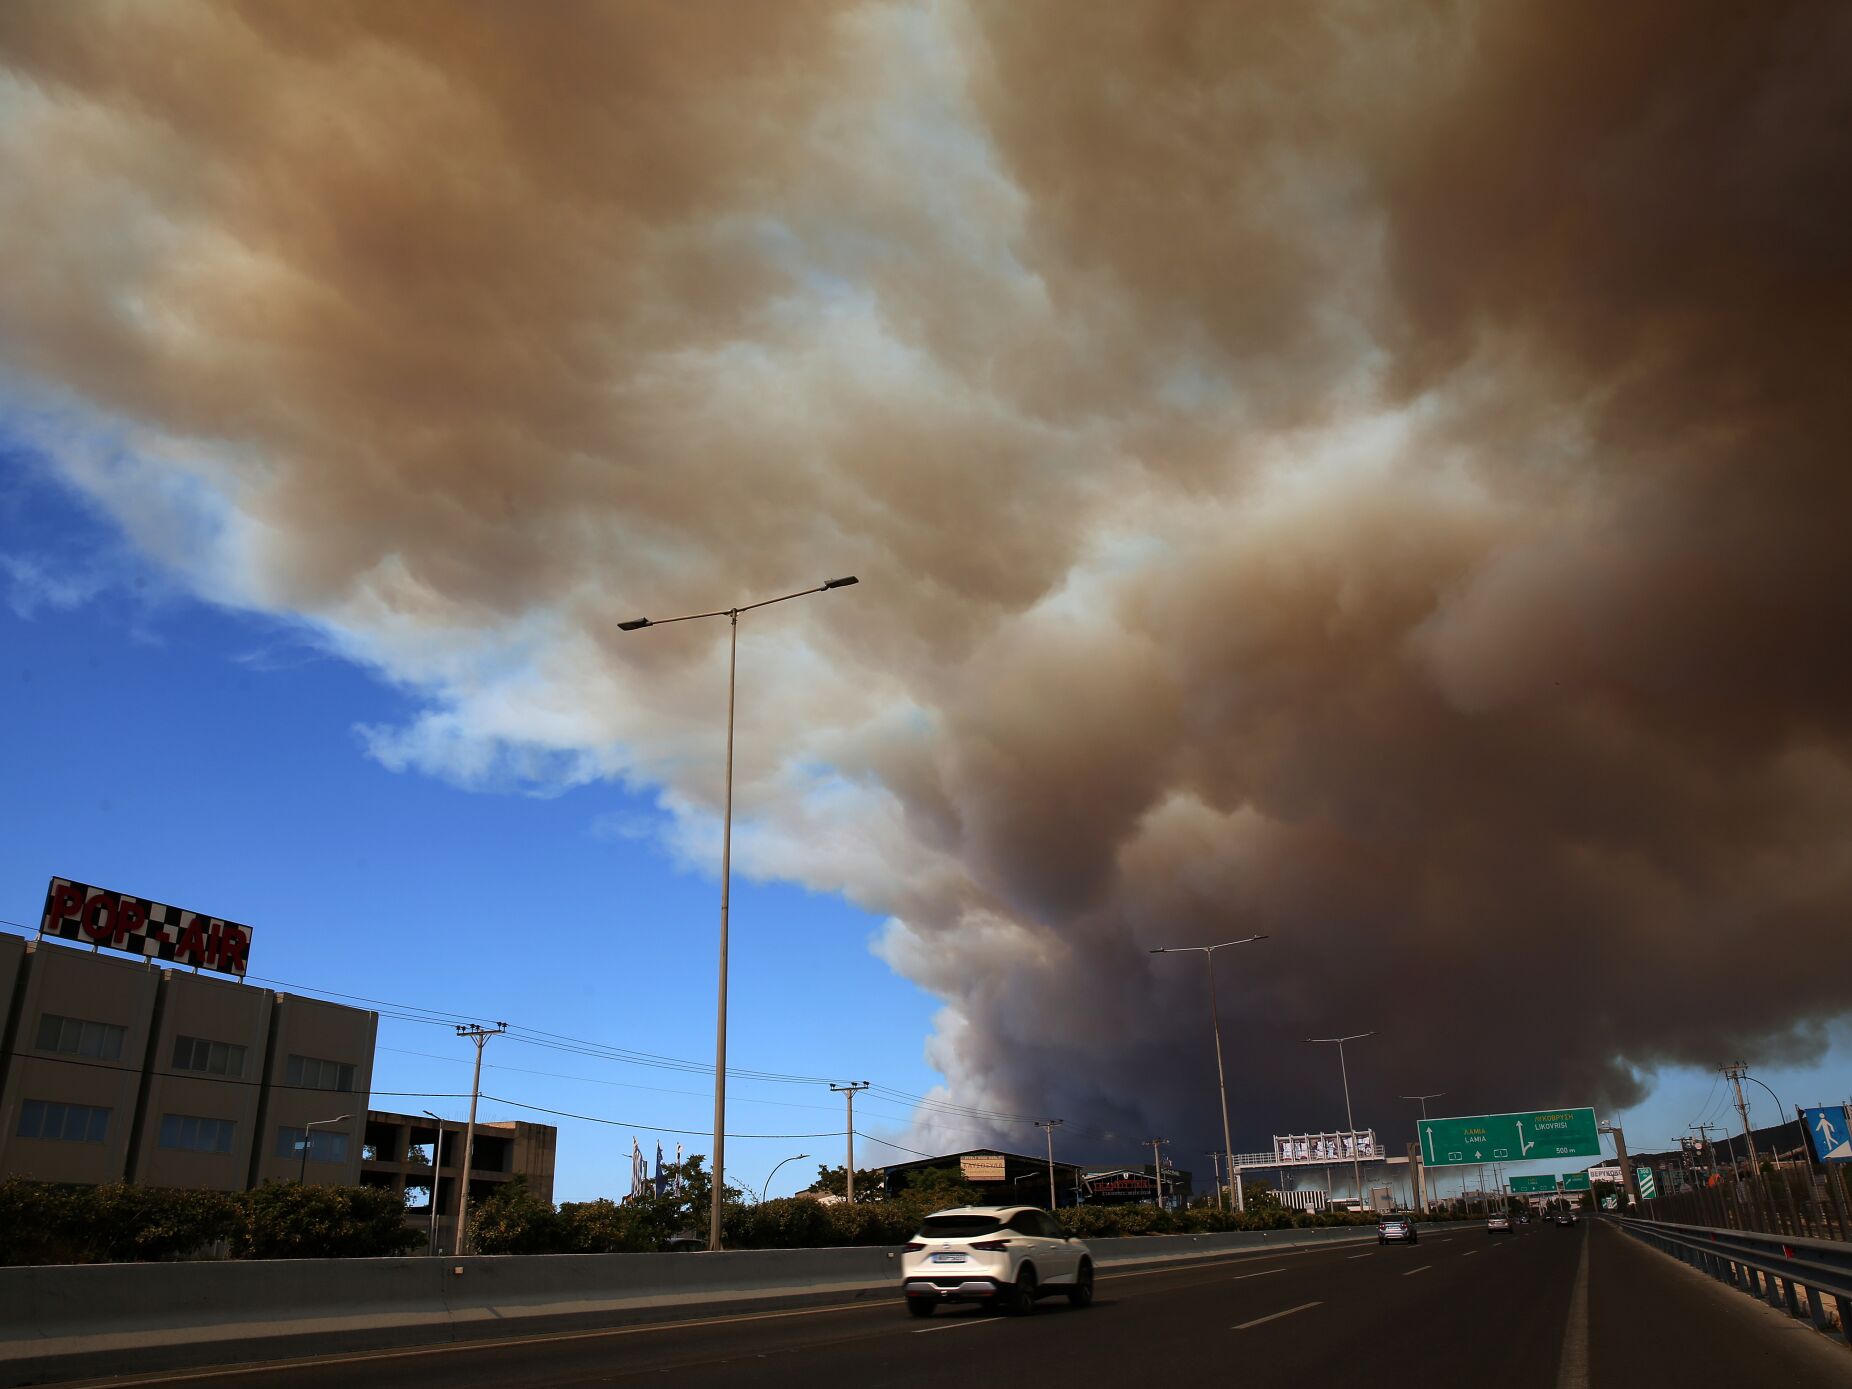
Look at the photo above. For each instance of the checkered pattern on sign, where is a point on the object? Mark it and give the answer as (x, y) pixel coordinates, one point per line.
(154, 930)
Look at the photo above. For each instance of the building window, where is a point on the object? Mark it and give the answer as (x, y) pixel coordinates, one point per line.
(191, 1134)
(214, 1058)
(75, 1037)
(73, 1123)
(324, 1146)
(312, 1073)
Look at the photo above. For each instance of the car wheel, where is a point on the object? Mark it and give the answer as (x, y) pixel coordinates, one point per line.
(1081, 1294)
(1023, 1294)
(921, 1306)
(1381, 1240)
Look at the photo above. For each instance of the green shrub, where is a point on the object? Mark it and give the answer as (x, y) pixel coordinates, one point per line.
(286, 1220)
(512, 1220)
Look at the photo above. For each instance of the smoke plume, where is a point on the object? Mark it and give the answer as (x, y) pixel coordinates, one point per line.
(1372, 475)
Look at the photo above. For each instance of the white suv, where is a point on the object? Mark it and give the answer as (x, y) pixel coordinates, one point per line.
(1006, 1256)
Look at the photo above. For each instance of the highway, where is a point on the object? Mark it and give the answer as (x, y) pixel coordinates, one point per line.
(1543, 1307)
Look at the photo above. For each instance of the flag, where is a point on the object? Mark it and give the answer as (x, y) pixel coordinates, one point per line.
(662, 1178)
(639, 1170)
(678, 1169)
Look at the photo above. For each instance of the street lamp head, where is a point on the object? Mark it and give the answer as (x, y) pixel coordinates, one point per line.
(843, 582)
(633, 625)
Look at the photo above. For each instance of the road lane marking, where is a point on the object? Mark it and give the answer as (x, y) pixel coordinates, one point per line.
(1469, 1253)
(979, 1320)
(1262, 1274)
(1370, 1255)
(1572, 1371)
(1261, 1321)
(1413, 1271)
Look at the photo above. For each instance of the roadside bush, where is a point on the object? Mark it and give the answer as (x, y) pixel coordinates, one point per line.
(512, 1220)
(605, 1227)
(285, 1220)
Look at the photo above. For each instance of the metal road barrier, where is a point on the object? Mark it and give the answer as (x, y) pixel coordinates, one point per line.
(1792, 1275)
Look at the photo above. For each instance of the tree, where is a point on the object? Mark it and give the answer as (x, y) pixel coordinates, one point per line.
(831, 1181)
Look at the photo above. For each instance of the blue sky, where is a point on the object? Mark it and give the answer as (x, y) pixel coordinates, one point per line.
(192, 754)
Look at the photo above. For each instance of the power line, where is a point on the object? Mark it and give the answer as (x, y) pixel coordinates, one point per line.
(647, 1128)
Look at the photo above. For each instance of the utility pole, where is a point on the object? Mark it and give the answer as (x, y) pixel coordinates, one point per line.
(480, 1036)
(848, 1092)
(1736, 1072)
(1216, 1159)
(1048, 1127)
(1724, 1207)
(1157, 1168)
(1629, 1185)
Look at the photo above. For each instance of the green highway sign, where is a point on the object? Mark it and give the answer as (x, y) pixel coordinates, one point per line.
(1577, 1181)
(1481, 1138)
(1531, 1186)
(1649, 1188)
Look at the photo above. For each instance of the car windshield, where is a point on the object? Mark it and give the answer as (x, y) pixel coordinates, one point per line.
(957, 1226)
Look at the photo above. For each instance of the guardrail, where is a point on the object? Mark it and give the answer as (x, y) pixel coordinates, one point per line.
(1792, 1275)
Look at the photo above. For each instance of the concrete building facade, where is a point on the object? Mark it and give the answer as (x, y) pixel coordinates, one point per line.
(399, 1150)
(122, 1070)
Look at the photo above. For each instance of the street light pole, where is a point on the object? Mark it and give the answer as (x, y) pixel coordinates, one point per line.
(1157, 1168)
(726, 871)
(767, 1184)
(1215, 1026)
(1426, 1200)
(1356, 1167)
(437, 1168)
(308, 1137)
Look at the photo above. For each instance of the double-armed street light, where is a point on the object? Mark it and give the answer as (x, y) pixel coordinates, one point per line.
(1221, 1078)
(1356, 1167)
(726, 866)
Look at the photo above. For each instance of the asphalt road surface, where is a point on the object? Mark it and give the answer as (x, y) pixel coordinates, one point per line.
(1543, 1307)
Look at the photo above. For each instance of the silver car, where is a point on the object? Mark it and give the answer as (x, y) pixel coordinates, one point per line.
(1396, 1229)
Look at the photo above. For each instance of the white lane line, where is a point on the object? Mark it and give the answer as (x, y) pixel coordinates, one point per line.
(1261, 1321)
(1413, 1271)
(1469, 1253)
(1572, 1372)
(1262, 1274)
(955, 1325)
(1370, 1255)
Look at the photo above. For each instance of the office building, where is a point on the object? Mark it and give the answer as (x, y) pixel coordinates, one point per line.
(118, 1069)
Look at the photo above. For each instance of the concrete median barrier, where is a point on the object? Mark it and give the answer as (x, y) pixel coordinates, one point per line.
(98, 1319)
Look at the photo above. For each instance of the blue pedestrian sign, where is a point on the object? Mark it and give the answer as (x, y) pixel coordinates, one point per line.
(1830, 1128)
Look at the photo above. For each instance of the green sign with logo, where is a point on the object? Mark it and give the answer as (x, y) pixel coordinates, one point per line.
(1532, 1186)
(1577, 1181)
(1537, 1133)
(1649, 1188)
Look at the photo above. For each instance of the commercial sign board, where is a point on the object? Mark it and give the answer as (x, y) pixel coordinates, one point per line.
(1577, 1181)
(1830, 1128)
(1610, 1176)
(1531, 1186)
(982, 1167)
(1342, 1146)
(1538, 1133)
(153, 930)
